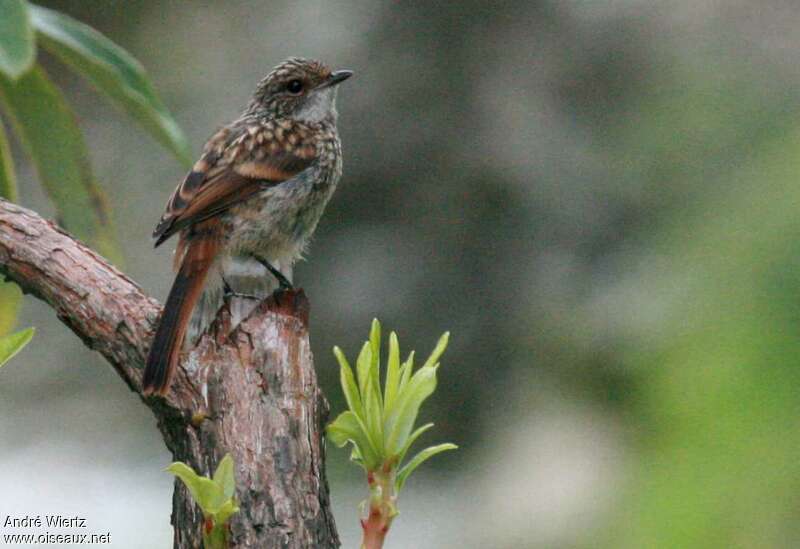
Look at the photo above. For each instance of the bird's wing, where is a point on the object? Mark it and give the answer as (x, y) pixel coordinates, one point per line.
(236, 163)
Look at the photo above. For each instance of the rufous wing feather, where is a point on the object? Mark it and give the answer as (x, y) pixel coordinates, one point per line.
(229, 172)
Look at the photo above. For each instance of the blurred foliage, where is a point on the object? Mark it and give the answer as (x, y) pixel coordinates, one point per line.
(47, 128)
(17, 46)
(11, 344)
(46, 123)
(10, 295)
(716, 403)
(112, 71)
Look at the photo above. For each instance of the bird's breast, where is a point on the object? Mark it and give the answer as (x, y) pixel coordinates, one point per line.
(277, 222)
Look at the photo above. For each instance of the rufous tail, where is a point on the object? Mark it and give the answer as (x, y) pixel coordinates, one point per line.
(186, 290)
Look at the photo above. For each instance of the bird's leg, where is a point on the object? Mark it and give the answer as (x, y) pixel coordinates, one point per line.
(229, 292)
(283, 282)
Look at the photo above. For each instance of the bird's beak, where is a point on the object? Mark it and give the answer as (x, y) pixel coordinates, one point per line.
(336, 77)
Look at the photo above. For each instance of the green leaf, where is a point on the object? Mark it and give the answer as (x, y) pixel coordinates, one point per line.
(215, 539)
(205, 492)
(401, 421)
(411, 440)
(441, 345)
(356, 457)
(356, 403)
(375, 343)
(349, 428)
(228, 509)
(10, 345)
(224, 476)
(10, 296)
(348, 383)
(17, 43)
(374, 414)
(405, 371)
(414, 389)
(375, 369)
(363, 367)
(370, 395)
(47, 129)
(392, 374)
(113, 71)
(346, 428)
(417, 460)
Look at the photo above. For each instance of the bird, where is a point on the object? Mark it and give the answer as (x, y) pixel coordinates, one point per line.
(246, 210)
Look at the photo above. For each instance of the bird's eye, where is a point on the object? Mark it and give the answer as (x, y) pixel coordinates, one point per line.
(295, 86)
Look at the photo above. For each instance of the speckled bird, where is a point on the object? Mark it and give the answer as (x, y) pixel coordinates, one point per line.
(246, 210)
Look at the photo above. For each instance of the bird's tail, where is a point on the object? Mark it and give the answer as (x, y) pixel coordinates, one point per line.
(168, 341)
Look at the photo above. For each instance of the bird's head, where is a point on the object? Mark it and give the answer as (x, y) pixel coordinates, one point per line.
(302, 89)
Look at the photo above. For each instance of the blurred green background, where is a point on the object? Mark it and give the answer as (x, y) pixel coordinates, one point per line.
(599, 199)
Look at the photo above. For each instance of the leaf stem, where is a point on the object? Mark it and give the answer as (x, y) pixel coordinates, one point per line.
(382, 508)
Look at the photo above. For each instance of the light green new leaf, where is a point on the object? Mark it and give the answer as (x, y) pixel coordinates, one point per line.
(373, 397)
(375, 343)
(374, 414)
(17, 42)
(401, 421)
(48, 131)
(224, 476)
(356, 457)
(346, 428)
(417, 460)
(363, 367)
(10, 345)
(357, 404)
(348, 383)
(405, 371)
(370, 394)
(411, 440)
(414, 389)
(441, 345)
(228, 509)
(213, 495)
(215, 539)
(375, 371)
(205, 492)
(392, 374)
(113, 71)
(10, 296)
(349, 428)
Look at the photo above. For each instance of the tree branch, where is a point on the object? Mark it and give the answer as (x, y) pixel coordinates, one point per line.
(250, 391)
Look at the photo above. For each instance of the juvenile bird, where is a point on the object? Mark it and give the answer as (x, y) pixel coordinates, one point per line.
(246, 210)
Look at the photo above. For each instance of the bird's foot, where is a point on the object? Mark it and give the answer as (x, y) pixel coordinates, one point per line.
(242, 296)
(230, 293)
(283, 282)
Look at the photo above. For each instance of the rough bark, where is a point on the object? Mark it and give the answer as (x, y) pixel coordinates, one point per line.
(251, 392)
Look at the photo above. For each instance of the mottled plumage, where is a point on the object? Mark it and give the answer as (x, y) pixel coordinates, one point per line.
(253, 198)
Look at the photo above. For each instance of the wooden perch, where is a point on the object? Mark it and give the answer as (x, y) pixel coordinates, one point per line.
(251, 392)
